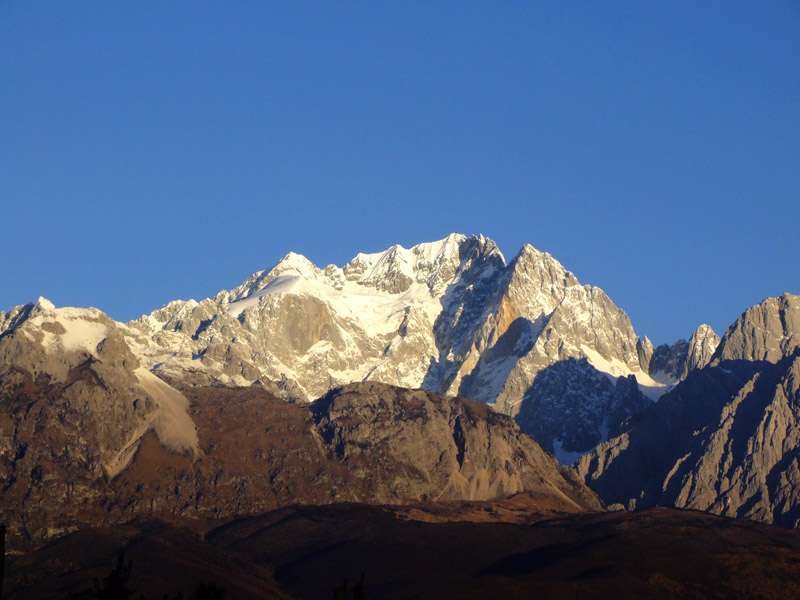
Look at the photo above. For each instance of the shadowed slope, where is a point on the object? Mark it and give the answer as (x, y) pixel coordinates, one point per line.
(309, 551)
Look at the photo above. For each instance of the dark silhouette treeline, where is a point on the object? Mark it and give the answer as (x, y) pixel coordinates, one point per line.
(117, 586)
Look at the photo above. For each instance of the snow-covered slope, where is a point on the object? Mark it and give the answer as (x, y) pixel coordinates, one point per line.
(449, 316)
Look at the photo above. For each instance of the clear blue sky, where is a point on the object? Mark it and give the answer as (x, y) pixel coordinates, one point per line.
(159, 150)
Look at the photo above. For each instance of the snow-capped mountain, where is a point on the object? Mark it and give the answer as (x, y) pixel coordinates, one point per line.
(317, 328)
(449, 316)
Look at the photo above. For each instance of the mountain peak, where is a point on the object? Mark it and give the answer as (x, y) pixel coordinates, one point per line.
(444, 248)
(394, 270)
(529, 251)
(530, 255)
(43, 303)
(703, 330)
(295, 262)
(702, 345)
(448, 315)
(768, 331)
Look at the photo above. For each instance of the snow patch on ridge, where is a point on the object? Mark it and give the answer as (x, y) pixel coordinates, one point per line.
(565, 457)
(172, 423)
(377, 311)
(614, 369)
(69, 329)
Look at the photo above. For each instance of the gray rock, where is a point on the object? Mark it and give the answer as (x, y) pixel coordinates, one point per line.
(412, 444)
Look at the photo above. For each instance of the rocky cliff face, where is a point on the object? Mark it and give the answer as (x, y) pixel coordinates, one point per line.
(448, 316)
(411, 444)
(768, 331)
(577, 407)
(726, 439)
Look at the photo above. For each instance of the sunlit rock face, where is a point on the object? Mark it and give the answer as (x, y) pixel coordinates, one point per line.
(416, 444)
(768, 331)
(725, 439)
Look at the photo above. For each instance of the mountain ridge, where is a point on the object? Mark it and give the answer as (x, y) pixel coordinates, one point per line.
(725, 439)
(450, 316)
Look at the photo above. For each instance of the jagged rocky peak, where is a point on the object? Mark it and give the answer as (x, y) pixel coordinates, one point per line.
(537, 282)
(586, 318)
(702, 345)
(672, 363)
(393, 270)
(543, 270)
(434, 264)
(292, 264)
(767, 331)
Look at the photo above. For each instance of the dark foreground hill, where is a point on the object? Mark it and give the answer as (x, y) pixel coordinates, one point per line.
(498, 549)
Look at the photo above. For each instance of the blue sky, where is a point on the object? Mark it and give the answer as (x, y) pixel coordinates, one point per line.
(159, 150)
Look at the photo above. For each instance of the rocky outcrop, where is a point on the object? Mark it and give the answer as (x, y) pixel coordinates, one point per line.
(726, 439)
(74, 407)
(413, 444)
